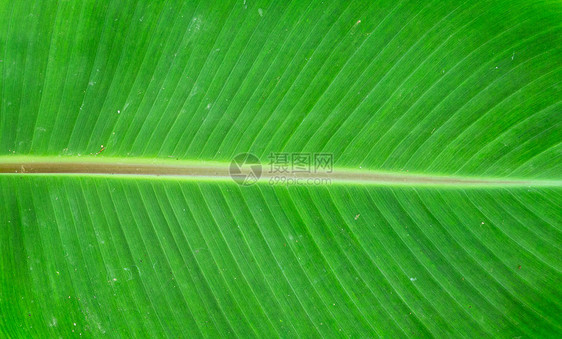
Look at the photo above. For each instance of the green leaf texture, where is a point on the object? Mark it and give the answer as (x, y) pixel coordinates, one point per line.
(465, 91)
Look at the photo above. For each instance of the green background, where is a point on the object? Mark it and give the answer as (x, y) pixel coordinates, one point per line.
(438, 88)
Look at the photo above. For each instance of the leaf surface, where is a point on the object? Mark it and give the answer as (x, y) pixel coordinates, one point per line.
(442, 218)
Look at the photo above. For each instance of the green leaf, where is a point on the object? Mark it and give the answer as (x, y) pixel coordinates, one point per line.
(119, 121)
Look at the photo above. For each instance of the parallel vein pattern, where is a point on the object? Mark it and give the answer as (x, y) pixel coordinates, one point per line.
(446, 87)
(174, 258)
(411, 89)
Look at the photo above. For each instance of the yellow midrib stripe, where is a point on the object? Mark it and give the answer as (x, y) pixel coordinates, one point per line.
(218, 170)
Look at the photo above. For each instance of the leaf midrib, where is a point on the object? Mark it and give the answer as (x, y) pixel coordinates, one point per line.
(14, 165)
